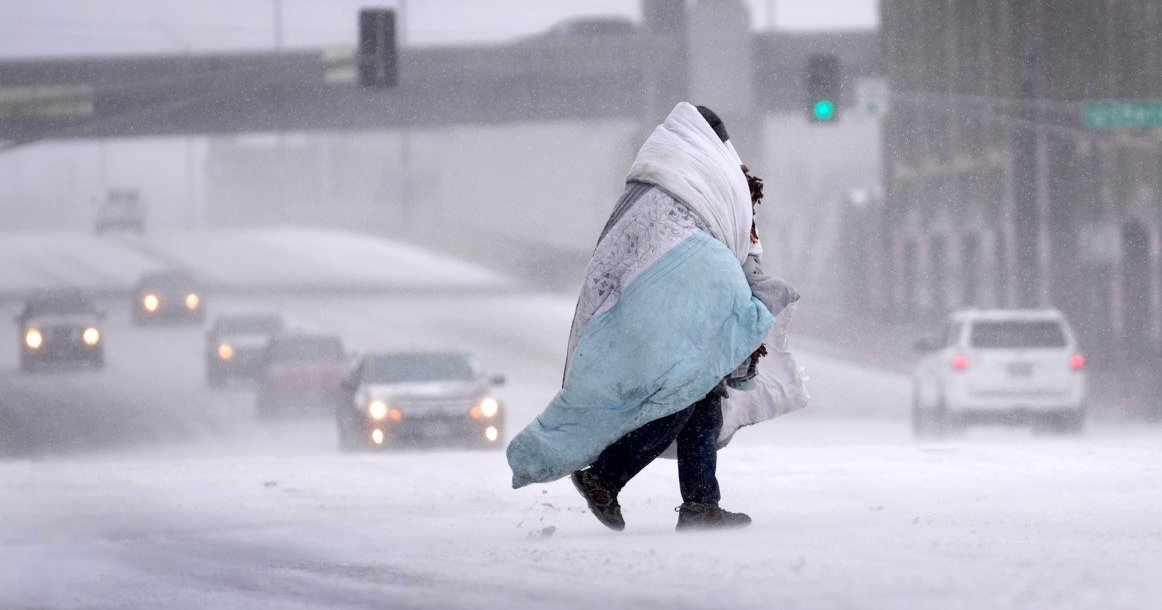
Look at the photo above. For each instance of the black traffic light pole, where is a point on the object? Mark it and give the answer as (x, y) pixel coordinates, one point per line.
(378, 54)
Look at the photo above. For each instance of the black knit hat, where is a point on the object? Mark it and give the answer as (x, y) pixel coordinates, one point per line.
(715, 122)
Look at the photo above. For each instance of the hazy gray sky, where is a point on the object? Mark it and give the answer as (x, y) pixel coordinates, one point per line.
(71, 27)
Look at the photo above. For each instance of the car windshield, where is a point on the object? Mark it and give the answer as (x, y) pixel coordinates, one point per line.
(322, 349)
(405, 368)
(256, 325)
(1018, 334)
(595, 27)
(60, 303)
(168, 281)
(122, 205)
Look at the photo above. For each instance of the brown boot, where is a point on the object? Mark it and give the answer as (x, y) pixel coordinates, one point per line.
(602, 500)
(696, 516)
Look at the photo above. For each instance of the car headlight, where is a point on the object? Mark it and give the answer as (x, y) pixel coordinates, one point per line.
(33, 339)
(377, 410)
(489, 407)
(225, 351)
(91, 336)
(150, 302)
(193, 300)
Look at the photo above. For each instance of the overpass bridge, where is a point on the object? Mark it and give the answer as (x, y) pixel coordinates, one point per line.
(629, 76)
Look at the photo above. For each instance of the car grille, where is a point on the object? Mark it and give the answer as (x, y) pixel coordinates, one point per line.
(435, 408)
(308, 381)
(62, 334)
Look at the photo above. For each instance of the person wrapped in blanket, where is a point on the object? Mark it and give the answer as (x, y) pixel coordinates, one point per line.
(678, 338)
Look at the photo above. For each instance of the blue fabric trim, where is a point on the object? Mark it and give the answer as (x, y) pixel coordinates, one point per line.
(685, 323)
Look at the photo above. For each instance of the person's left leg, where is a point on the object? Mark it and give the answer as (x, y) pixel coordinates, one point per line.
(697, 470)
(698, 451)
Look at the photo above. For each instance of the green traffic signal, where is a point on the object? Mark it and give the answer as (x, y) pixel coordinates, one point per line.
(824, 110)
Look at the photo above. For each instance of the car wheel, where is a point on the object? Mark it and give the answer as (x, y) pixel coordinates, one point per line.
(349, 441)
(935, 422)
(947, 424)
(1069, 423)
(923, 420)
(267, 407)
(214, 378)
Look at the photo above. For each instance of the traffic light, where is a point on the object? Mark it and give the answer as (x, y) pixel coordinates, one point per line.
(378, 56)
(822, 75)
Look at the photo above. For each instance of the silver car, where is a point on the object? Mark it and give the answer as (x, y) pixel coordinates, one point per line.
(417, 398)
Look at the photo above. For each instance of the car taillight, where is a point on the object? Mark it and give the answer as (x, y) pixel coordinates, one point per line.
(960, 363)
(1077, 362)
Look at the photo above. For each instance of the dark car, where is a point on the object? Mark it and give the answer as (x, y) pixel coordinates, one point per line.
(412, 398)
(591, 27)
(61, 325)
(121, 210)
(300, 372)
(167, 296)
(236, 344)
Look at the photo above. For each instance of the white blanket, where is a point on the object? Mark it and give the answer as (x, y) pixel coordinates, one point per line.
(779, 388)
(685, 157)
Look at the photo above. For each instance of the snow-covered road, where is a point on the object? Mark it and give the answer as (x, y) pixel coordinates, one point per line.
(999, 523)
(136, 487)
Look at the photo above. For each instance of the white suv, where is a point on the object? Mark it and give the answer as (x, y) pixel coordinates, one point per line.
(1003, 366)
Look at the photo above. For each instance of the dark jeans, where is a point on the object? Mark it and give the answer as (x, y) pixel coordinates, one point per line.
(695, 428)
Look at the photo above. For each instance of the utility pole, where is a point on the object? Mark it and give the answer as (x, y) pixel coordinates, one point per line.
(103, 166)
(1028, 162)
(279, 152)
(403, 22)
(191, 207)
(277, 10)
(405, 143)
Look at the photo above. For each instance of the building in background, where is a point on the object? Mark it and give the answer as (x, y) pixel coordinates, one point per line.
(998, 191)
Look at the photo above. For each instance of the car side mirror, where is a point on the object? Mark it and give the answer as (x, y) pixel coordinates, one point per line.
(19, 319)
(926, 345)
(497, 380)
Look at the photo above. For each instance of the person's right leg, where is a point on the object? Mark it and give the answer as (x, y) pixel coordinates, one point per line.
(622, 460)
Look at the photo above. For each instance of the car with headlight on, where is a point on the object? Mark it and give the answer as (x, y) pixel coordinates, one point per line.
(396, 399)
(236, 344)
(301, 372)
(1008, 367)
(60, 326)
(167, 296)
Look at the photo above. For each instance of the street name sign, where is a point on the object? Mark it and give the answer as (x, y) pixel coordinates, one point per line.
(1123, 114)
